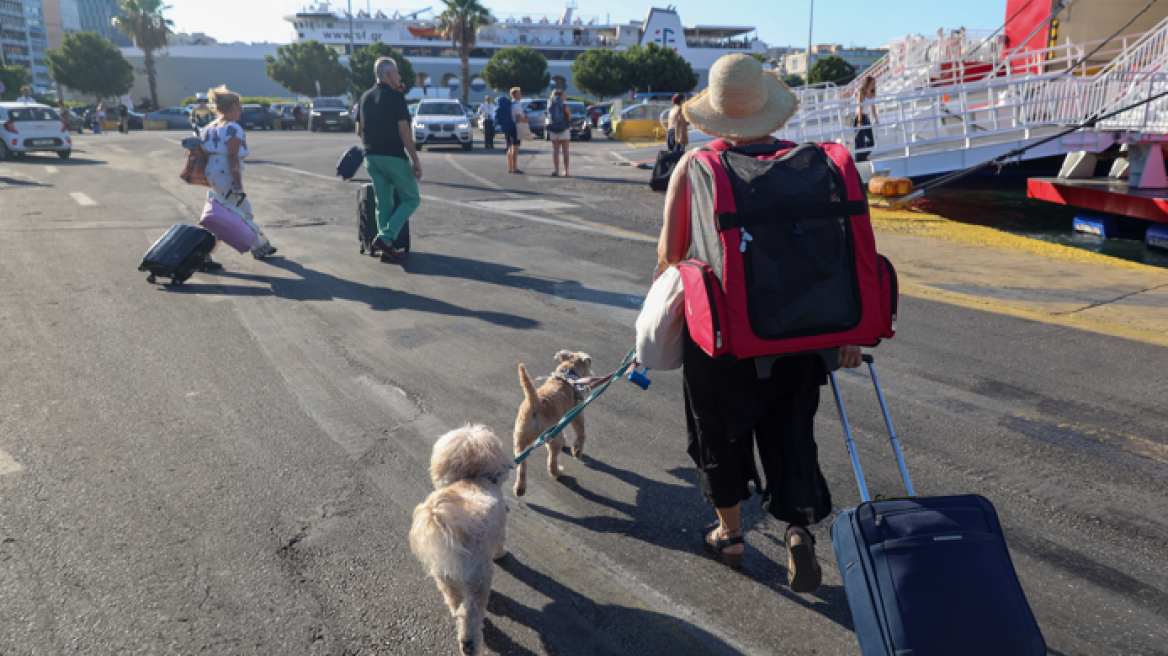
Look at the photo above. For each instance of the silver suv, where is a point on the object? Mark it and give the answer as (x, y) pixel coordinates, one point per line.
(442, 122)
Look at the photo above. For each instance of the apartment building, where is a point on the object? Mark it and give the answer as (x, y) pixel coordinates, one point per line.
(97, 16)
(800, 63)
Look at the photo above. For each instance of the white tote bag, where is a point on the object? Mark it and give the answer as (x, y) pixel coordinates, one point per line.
(523, 131)
(662, 322)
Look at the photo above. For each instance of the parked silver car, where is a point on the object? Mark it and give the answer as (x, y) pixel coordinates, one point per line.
(442, 122)
(176, 118)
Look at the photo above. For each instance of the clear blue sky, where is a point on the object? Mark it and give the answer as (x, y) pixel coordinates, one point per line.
(780, 22)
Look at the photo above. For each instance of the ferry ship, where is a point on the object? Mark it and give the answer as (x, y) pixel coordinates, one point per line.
(560, 38)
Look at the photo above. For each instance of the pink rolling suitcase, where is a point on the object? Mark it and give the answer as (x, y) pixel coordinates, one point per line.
(228, 225)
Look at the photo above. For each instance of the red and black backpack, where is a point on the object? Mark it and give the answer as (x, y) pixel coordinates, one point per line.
(789, 262)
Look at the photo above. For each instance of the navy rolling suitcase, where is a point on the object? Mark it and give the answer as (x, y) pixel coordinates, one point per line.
(177, 254)
(928, 576)
(367, 222)
(348, 164)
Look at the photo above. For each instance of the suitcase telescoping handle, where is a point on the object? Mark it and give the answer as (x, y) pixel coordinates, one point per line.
(891, 433)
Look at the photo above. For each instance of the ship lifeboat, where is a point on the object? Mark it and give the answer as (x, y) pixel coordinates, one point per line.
(424, 32)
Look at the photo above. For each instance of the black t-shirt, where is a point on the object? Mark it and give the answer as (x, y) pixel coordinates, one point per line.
(379, 111)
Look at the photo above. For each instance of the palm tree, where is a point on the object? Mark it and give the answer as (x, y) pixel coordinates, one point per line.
(142, 20)
(460, 23)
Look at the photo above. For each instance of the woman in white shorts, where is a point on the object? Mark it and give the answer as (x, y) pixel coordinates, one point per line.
(561, 138)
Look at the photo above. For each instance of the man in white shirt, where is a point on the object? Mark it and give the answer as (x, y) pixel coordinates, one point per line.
(487, 122)
(26, 96)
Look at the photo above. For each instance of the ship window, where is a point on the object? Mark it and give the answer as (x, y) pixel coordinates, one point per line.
(387, 27)
(447, 52)
(329, 25)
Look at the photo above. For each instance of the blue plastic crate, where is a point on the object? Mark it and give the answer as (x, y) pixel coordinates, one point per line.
(1157, 237)
(1093, 223)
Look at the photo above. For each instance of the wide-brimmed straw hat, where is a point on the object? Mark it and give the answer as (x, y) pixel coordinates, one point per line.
(743, 101)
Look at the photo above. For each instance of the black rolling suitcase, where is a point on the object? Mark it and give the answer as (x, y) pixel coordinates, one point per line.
(663, 170)
(177, 254)
(928, 576)
(350, 162)
(367, 222)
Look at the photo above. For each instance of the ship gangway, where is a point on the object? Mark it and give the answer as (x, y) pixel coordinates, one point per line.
(939, 110)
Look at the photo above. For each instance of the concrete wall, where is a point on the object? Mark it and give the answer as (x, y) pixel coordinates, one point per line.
(190, 69)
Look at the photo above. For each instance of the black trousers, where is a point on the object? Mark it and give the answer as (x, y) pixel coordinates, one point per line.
(489, 133)
(730, 411)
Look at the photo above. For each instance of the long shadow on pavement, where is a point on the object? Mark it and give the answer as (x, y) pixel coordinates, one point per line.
(433, 264)
(645, 524)
(575, 624)
(315, 285)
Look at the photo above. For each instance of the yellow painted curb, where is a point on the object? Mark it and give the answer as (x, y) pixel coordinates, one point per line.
(155, 125)
(1079, 322)
(922, 224)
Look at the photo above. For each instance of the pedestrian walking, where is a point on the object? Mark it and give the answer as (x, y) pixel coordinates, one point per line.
(201, 115)
(486, 114)
(226, 144)
(66, 115)
(383, 123)
(729, 408)
(559, 130)
(123, 119)
(511, 133)
(26, 96)
(100, 116)
(864, 137)
(677, 134)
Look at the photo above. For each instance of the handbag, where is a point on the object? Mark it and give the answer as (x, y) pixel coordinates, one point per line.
(523, 130)
(228, 223)
(661, 324)
(195, 170)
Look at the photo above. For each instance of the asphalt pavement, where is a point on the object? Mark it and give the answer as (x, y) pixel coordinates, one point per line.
(229, 466)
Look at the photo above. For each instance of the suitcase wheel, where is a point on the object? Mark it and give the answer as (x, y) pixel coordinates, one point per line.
(362, 249)
(151, 279)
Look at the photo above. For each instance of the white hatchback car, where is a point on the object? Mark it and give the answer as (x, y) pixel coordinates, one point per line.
(442, 122)
(31, 128)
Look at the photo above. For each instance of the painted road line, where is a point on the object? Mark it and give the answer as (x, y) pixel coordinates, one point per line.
(82, 199)
(8, 465)
(480, 179)
(625, 233)
(578, 225)
(50, 169)
(569, 223)
(309, 173)
(525, 204)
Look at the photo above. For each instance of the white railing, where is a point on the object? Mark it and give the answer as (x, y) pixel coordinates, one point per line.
(934, 120)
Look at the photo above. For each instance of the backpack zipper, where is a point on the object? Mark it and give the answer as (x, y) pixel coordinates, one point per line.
(706, 275)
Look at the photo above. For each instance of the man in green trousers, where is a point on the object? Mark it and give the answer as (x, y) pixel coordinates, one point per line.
(383, 123)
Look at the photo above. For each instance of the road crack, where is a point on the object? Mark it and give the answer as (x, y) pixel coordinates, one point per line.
(1114, 300)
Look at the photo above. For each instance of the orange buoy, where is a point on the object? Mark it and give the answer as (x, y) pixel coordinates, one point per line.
(890, 187)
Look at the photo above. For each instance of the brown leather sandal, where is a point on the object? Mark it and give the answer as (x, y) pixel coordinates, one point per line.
(803, 569)
(721, 541)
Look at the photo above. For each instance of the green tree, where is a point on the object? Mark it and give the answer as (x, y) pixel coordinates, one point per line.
(361, 67)
(142, 21)
(653, 67)
(831, 69)
(601, 72)
(759, 56)
(460, 22)
(794, 80)
(299, 66)
(13, 78)
(90, 64)
(517, 66)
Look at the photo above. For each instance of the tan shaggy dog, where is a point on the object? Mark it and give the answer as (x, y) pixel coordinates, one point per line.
(462, 526)
(542, 408)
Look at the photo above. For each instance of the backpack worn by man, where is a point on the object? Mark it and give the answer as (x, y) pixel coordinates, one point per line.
(783, 256)
(503, 119)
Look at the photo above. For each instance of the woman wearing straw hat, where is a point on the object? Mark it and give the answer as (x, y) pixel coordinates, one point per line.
(729, 409)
